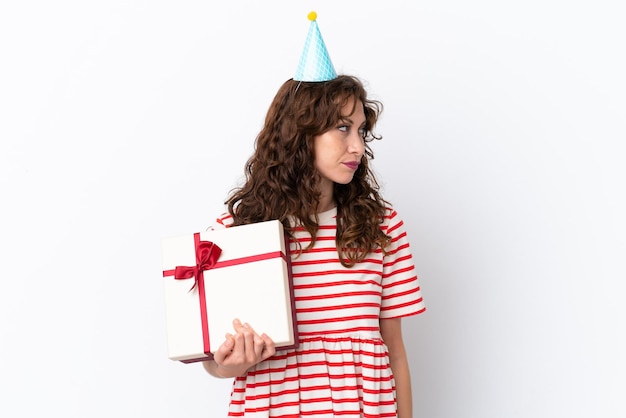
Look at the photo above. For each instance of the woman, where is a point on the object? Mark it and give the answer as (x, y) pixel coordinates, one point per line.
(353, 273)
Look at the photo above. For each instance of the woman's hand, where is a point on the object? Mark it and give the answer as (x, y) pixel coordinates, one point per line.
(242, 350)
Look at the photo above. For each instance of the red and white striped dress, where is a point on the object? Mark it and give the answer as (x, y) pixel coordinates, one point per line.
(341, 366)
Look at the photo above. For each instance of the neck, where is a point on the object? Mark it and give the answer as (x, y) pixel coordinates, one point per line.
(323, 207)
(326, 201)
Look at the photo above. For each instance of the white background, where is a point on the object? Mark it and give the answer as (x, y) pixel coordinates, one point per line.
(125, 121)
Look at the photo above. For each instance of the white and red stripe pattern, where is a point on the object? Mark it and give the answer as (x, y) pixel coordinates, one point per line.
(341, 366)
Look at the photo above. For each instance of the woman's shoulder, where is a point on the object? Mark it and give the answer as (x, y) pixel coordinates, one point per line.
(391, 220)
(390, 214)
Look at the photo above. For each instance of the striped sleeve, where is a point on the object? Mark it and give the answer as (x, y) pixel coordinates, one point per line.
(223, 221)
(401, 293)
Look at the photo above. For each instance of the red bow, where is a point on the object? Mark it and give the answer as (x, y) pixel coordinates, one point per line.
(207, 254)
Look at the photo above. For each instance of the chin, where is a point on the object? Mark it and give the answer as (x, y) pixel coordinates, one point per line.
(344, 180)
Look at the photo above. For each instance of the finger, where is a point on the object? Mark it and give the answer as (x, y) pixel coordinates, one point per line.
(242, 326)
(224, 350)
(267, 340)
(253, 343)
(248, 332)
(238, 350)
(247, 328)
(259, 346)
(250, 338)
(255, 347)
(238, 325)
(269, 349)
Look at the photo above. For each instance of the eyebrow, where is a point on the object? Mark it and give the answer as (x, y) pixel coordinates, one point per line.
(351, 122)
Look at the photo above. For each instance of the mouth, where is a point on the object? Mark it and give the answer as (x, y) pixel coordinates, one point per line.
(353, 165)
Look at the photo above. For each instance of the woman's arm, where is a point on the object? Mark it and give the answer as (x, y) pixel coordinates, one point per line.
(391, 331)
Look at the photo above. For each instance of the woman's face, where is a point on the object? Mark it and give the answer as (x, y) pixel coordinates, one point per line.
(338, 151)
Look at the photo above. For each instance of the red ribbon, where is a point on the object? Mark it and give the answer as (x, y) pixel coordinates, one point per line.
(207, 254)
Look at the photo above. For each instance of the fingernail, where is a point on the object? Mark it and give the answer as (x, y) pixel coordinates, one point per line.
(246, 325)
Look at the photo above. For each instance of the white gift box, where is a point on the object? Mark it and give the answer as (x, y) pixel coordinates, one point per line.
(250, 279)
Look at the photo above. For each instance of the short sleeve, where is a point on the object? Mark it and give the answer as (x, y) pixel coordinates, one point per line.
(401, 293)
(223, 221)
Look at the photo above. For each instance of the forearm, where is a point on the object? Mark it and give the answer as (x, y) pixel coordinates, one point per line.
(211, 367)
(404, 395)
(391, 331)
(215, 370)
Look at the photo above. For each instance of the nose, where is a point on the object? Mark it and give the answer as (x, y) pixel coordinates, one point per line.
(356, 144)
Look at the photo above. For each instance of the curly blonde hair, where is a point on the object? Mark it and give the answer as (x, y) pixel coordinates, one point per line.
(281, 179)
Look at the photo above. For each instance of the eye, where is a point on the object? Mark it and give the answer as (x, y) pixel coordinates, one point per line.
(343, 128)
(363, 133)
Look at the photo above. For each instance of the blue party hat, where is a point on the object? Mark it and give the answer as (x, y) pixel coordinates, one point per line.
(315, 64)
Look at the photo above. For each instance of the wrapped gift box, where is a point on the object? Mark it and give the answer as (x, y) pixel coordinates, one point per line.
(214, 277)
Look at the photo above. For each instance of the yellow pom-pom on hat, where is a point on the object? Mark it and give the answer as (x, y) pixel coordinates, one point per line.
(315, 64)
